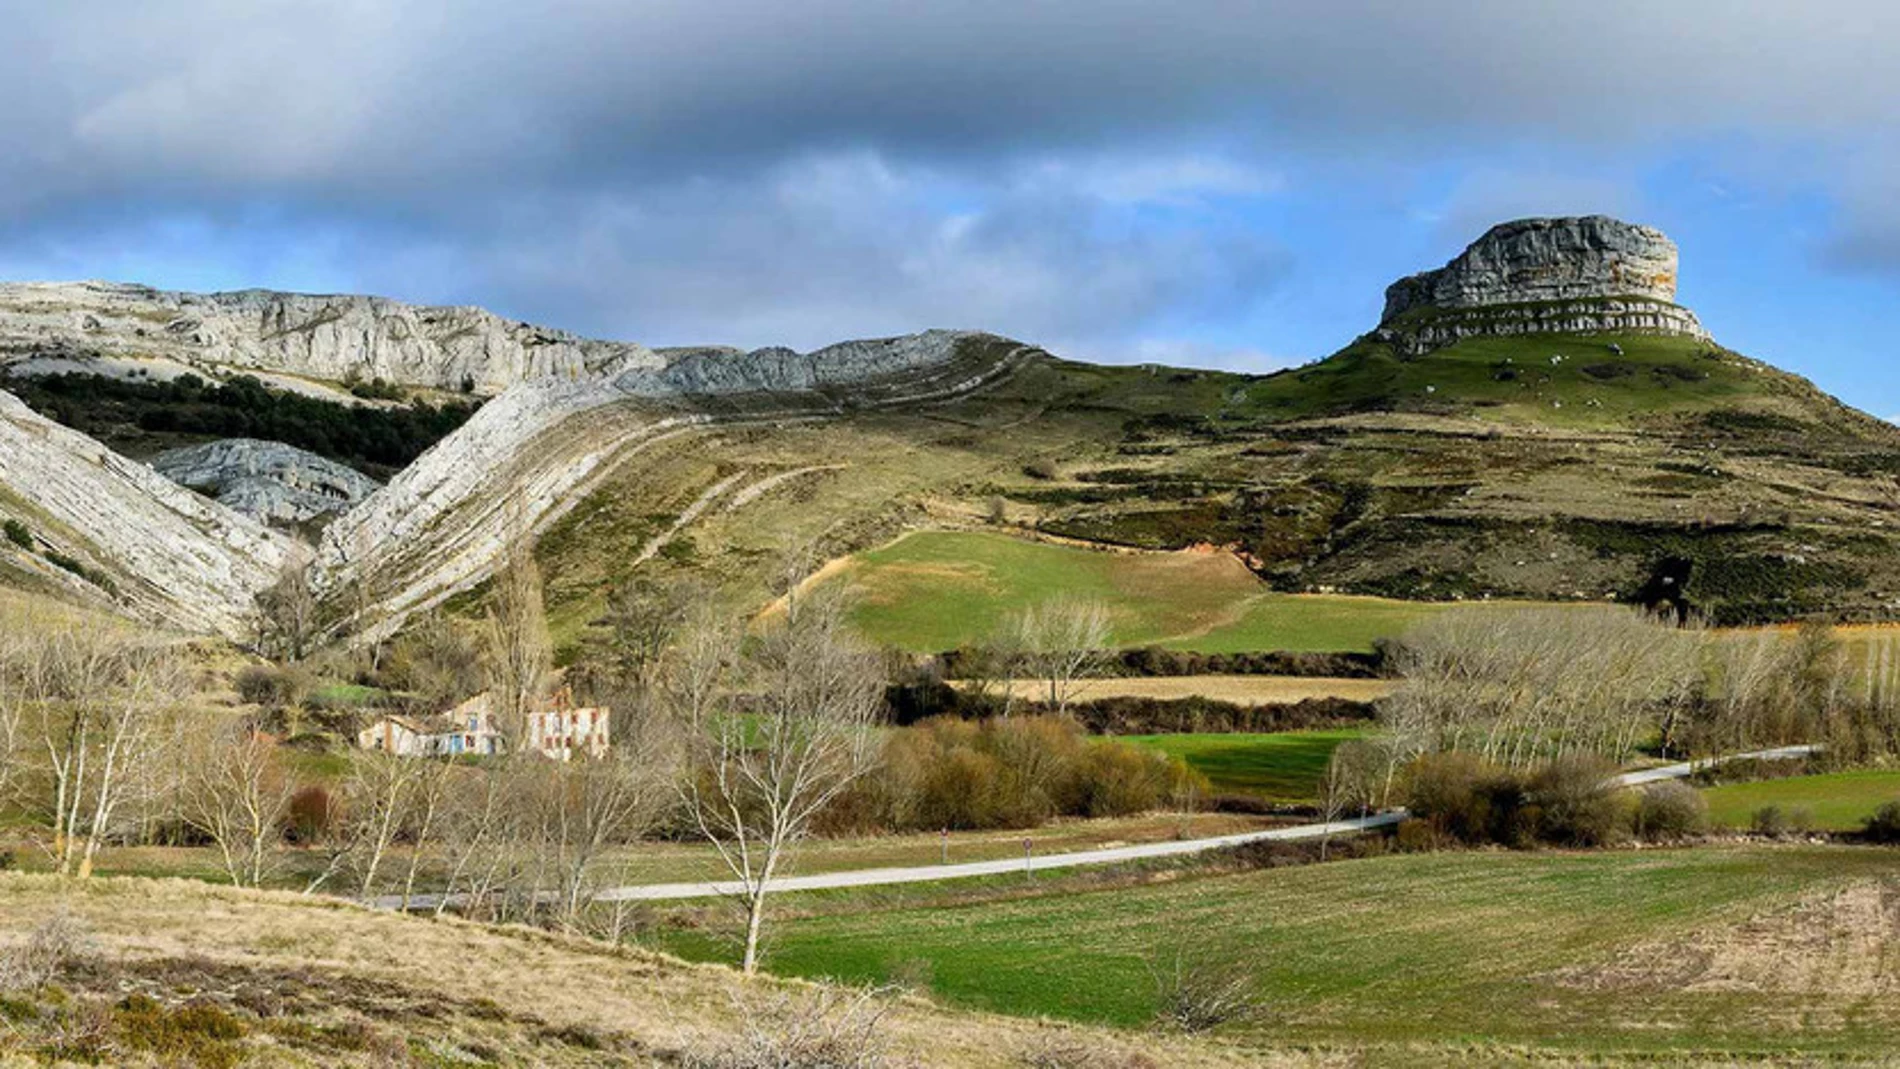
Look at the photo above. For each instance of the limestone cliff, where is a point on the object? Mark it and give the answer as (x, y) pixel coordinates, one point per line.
(530, 454)
(332, 338)
(1572, 275)
(167, 554)
(267, 481)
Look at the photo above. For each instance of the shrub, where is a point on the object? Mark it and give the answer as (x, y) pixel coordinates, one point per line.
(1671, 810)
(19, 534)
(1884, 825)
(1577, 803)
(196, 1033)
(831, 1029)
(1041, 469)
(1194, 994)
(48, 948)
(311, 815)
(1774, 821)
(269, 686)
(1466, 799)
(1004, 772)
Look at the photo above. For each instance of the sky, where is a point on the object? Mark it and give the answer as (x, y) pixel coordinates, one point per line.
(1199, 182)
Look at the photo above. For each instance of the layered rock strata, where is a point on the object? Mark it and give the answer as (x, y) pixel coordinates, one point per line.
(267, 481)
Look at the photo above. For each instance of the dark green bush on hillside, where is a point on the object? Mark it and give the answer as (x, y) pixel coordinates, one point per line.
(19, 534)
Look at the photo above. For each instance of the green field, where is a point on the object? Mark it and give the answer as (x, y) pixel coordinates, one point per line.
(1454, 951)
(937, 590)
(1836, 801)
(1280, 767)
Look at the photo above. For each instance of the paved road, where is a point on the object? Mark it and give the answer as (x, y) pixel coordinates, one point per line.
(654, 892)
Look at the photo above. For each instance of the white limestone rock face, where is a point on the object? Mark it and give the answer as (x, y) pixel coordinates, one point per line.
(332, 338)
(175, 557)
(529, 455)
(267, 481)
(1591, 274)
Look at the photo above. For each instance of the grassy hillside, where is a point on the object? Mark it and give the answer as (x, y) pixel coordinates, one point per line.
(1510, 477)
(170, 973)
(1723, 953)
(936, 590)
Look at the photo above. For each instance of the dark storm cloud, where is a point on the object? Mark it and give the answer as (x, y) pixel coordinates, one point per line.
(755, 171)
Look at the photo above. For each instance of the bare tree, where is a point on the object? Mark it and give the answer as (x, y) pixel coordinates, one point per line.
(1352, 780)
(759, 777)
(1523, 686)
(518, 650)
(101, 698)
(1062, 641)
(287, 613)
(237, 795)
(378, 801)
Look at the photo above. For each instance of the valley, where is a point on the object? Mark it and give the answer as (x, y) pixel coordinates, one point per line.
(491, 625)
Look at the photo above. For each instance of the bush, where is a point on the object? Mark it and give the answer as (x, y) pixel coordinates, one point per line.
(1041, 469)
(19, 534)
(1671, 810)
(1004, 772)
(49, 947)
(831, 1029)
(1465, 799)
(1193, 994)
(1577, 804)
(1776, 822)
(270, 686)
(312, 815)
(1884, 825)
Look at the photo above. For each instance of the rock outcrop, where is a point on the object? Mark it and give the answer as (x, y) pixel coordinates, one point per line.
(334, 338)
(529, 455)
(565, 409)
(170, 555)
(267, 481)
(1574, 275)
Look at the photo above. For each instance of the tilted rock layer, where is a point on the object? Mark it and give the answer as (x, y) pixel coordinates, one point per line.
(1575, 275)
(174, 557)
(267, 481)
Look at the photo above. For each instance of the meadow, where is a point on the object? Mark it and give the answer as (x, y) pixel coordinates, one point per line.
(1428, 958)
(938, 590)
(1278, 767)
(1833, 801)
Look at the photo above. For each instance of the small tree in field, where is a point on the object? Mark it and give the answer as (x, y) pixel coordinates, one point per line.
(1062, 641)
(237, 795)
(759, 777)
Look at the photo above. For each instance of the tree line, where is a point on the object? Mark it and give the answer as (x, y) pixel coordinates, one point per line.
(375, 440)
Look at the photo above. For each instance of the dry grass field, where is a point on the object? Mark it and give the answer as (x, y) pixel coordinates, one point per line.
(177, 973)
(1240, 690)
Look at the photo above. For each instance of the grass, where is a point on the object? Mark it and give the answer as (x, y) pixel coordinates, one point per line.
(1836, 801)
(1465, 950)
(315, 982)
(937, 590)
(1280, 767)
(1513, 377)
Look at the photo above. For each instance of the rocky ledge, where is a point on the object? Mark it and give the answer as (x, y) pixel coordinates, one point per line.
(269, 481)
(1590, 274)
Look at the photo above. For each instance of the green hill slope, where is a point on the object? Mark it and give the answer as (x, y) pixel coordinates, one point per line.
(1542, 467)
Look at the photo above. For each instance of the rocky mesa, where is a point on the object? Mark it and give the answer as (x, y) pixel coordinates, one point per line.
(1575, 275)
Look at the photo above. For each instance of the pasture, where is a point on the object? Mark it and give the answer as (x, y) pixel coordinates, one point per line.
(1744, 951)
(938, 590)
(1279, 767)
(1835, 801)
